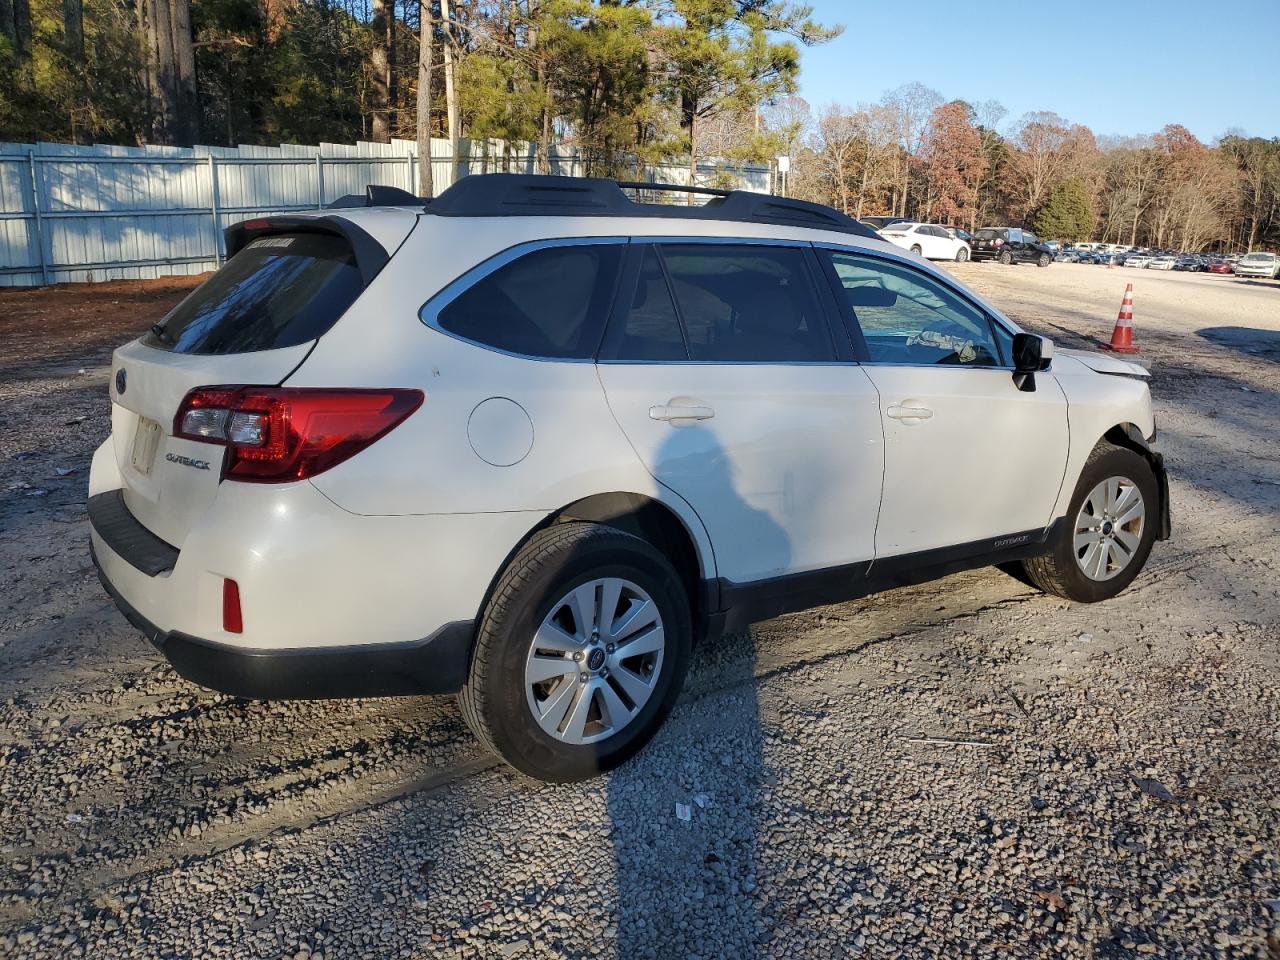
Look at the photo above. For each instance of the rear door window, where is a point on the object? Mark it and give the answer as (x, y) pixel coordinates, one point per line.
(550, 303)
(279, 291)
(747, 303)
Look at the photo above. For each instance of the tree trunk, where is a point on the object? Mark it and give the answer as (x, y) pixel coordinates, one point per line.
(450, 85)
(380, 69)
(15, 24)
(543, 159)
(426, 50)
(160, 48)
(8, 26)
(187, 106)
(544, 140)
(862, 184)
(72, 29)
(693, 155)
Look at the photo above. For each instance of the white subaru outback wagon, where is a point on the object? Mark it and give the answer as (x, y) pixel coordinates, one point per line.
(529, 441)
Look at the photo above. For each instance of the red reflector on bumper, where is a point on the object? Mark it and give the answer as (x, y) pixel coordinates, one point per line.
(232, 622)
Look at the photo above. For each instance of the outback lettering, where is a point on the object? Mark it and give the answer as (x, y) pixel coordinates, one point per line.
(187, 461)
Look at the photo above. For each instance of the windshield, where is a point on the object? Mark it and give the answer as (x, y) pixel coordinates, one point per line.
(279, 291)
(1261, 256)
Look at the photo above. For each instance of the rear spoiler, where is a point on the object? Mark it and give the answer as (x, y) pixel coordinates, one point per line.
(371, 256)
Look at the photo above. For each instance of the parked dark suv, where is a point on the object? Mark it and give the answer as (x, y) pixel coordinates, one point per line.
(1010, 245)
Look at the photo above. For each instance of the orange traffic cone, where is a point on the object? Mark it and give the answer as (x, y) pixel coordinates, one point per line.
(1122, 335)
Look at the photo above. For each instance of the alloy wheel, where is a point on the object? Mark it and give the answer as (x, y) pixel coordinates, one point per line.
(595, 661)
(1109, 528)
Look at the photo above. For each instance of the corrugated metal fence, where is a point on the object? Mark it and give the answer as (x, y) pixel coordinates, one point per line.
(86, 213)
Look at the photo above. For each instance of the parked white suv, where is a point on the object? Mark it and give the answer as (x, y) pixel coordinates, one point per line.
(530, 441)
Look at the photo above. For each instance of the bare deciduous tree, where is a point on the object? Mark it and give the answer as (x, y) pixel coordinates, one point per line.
(908, 107)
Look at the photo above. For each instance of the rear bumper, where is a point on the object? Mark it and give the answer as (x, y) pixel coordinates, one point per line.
(434, 665)
(334, 604)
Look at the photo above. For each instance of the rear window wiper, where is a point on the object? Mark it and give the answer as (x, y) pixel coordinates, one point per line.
(159, 331)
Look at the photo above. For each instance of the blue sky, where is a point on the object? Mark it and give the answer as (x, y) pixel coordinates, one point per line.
(1124, 67)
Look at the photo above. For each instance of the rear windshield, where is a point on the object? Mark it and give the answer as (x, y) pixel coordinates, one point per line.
(279, 291)
(986, 233)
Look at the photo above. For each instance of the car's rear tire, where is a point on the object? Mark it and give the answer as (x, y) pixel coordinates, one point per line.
(962, 255)
(552, 688)
(915, 248)
(1043, 260)
(1006, 257)
(1109, 529)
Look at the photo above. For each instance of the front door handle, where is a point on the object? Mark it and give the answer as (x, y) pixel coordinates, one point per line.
(909, 411)
(680, 411)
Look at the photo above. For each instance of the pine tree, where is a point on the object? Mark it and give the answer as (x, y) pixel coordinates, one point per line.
(1068, 213)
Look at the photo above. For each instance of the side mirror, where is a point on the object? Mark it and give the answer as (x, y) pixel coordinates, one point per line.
(1031, 354)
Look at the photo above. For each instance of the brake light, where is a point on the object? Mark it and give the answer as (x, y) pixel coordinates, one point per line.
(232, 620)
(279, 434)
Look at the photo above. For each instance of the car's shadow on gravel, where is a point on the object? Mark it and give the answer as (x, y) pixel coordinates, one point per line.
(1261, 344)
(687, 839)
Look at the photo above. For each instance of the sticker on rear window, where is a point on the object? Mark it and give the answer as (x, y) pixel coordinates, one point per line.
(271, 242)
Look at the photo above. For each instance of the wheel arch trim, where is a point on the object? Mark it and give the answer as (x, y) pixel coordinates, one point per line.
(637, 513)
(1129, 436)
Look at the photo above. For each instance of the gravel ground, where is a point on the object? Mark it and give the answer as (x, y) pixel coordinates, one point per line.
(966, 768)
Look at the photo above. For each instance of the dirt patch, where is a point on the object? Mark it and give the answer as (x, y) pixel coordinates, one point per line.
(81, 321)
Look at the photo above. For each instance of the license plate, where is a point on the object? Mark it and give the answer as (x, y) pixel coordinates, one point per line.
(145, 441)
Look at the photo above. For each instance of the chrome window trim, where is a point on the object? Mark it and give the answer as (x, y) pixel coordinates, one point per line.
(944, 280)
(429, 312)
(733, 241)
(728, 363)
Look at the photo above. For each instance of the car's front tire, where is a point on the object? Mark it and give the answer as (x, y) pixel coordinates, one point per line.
(1043, 260)
(1109, 530)
(580, 654)
(915, 248)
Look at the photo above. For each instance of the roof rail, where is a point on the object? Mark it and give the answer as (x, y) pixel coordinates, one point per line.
(533, 195)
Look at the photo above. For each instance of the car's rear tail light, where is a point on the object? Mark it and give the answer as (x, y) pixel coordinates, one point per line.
(232, 621)
(279, 434)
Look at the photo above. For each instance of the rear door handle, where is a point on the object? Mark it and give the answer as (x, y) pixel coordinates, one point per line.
(677, 411)
(910, 411)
